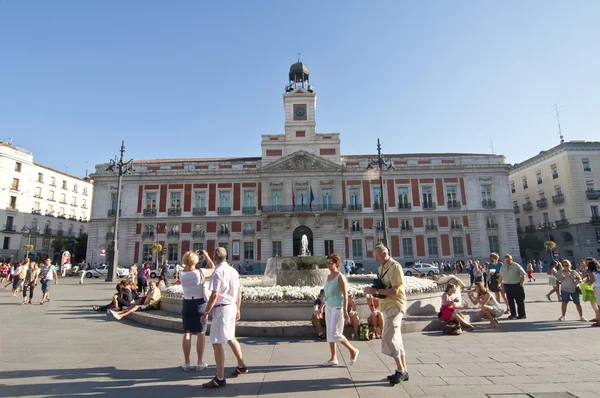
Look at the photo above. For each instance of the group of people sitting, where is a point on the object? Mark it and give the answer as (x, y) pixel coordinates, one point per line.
(127, 300)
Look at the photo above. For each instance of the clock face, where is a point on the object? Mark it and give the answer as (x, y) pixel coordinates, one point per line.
(300, 112)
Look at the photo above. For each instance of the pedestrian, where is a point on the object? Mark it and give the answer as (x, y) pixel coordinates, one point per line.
(82, 271)
(133, 272)
(569, 279)
(195, 296)
(164, 273)
(20, 274)
(47, 275)
(336, 311)
(530, 271)
(552, 271)
(30, 282)
(142, 279)
(499, 291)
(512, 278)
(393, 307)
(225, 299)
(593, 278)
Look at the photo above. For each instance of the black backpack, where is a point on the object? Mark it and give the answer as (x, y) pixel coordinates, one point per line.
(493, 283)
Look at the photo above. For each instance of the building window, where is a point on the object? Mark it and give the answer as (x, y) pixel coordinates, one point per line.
(432, 247)
(355, 226)
(53, 181)
(427, 196)
(486, 193)
(15, 184)
(46, 244)
(40, 177)
(451, 193)
(301, 197)
(525, 186)
(18, 167)
(594, 211)
(36, 206)
(75, 188)
(51, 195)
(589, 184)
(327, 197)
(64, 184)
(357, 252)
(74, 201)
(530, 220)
(402, 197)
(329, 247)
(172, 251)
(224, 199)
(538, 177)
(512, 187)
(518, 221)
(85, 192)
(113, 201)
(376, 198)
(249, 227)
(545, 217)
(554, 171)
(494, 243)
(557, 190)
(454, 223)
(491, 222)
(276, 197)
(224, 229)
(430, 223)
(150, 201)
(199, 199)
(586, 165)
(354, 198)
(6, 243)
(405, 225)
(147, 252)
(175, 200)
(457, 246)
(248, 250)
(198, 246)
(407, 247)
(84, 203)
(562, 215)
(248, 198)
(276, 248)
(13, 202)
(63, 198)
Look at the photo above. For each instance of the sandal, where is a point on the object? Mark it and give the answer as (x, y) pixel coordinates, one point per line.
(215, 383)
(96, 308)
(329, 363)
(238, 371)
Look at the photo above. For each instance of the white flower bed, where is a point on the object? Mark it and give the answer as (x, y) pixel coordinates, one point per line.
(307, 293)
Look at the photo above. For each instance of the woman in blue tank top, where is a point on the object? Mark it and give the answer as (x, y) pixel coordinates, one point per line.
(336, 310)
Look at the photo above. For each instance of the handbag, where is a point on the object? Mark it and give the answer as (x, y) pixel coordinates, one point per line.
(451, 328)
(378, 284)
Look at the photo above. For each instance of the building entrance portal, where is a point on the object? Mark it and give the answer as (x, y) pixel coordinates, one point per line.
(298, 233)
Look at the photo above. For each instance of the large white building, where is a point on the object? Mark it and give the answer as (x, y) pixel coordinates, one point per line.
(556, 196)
(41, 204)
(443, 206)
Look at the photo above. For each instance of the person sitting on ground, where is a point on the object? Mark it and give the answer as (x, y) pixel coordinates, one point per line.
(448, 312)
(318, 316)
(490, 308)
(150, 303)
(353, 316)
(113, 303)
(375, 319)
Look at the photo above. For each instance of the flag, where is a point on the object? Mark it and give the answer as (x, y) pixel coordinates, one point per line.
(312, 196)
(293, 198)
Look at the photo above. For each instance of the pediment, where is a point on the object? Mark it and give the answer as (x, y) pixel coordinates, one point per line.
(302, 161)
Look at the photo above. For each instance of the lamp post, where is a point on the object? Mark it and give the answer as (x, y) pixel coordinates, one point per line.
(381, 162)
(122, 168)
(29, 230)
(157, 229)
(548, 226)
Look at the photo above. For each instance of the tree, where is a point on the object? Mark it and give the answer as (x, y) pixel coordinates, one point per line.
(81, 246)
(530, 242)
(59, 244)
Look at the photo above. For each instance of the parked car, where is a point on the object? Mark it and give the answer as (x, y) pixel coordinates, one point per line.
(420, 269)
(102, 270)
(172, 271)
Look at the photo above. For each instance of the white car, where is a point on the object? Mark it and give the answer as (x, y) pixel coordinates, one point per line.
(102, 270)
(172, 271)
(421, 268)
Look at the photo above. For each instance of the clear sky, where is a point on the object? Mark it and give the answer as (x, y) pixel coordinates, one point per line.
(205, 79)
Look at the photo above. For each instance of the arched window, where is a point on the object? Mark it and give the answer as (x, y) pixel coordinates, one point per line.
(567, 237)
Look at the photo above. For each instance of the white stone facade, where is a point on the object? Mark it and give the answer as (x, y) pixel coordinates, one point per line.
(38, 198)
(260, 207)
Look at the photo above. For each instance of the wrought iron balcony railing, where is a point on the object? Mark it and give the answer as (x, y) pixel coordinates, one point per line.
(197, 233)
(223, 210)
(248, 209)
(592, 193)
(429, 205)
(147, 234)
(488, 204)
(404, 206)
(199, 211)
(558, 199)
(355, 207)
(174, 211)
(562, 223)
(542, 203)
(453, 205)
(302, 208)
(528, 206)
(149, 212)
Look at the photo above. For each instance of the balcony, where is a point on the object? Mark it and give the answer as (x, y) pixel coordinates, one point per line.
(455, 226)
(173, 233)
(36, 212)
(49, 213)
(303, 209)
(199, 211)
(14, 188)
(595, 220)
(516, 209)
(592, 193)
(38, 196)
(249, 210)
(248, 231)
(223, 210)
(488, 204)
(378, 227)
(9, 228)
(530, 228)
(355, 228)
(72, 218)
(113, 212)
(377, 205)
(62, 216)
(492, 225)
(404, 206)
(406, 228)
(562, 223)
(542, 203)
(223, 232)
(355, 207)
(110, 235)
(558, 199)
(63, 202)
(174, 211)
(51, 200)
(147, 234)
(587, 169)
(525, 186)
(429, 205)
(151, 212)
(198, 233)
(431, 227)
(47, 231)
(60, 232)
(453, 205)
(554, 176)
(527, 207)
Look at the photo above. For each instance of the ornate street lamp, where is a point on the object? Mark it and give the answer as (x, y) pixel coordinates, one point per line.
(122, 168)
(380, 162)
(548, 226)
(29, 230)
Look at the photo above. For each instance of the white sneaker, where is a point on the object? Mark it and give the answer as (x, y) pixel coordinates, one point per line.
(562, 318)
(186, 367)
(583, 319)
(201, 366)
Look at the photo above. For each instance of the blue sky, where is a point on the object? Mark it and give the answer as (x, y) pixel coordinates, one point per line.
(205, 79)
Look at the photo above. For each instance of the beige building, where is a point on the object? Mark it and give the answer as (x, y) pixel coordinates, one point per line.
(556, 195)
(440, 206)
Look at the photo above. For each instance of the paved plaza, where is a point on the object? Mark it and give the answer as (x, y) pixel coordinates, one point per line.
(64, 349)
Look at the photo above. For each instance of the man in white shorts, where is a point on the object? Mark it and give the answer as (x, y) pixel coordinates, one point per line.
(225, 299)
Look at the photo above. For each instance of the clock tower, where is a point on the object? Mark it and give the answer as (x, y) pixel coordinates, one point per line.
(299, 103)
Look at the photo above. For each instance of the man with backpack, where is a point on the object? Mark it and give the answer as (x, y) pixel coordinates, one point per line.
(47, 275)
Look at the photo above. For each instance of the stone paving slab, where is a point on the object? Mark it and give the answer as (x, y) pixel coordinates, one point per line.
(63, 349)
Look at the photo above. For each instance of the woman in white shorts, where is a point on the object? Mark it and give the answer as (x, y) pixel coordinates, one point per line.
(490, 308)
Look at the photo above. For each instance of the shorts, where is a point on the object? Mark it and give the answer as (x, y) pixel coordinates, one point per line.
(16, 283)
(222, 328)
(566, 297)
(191, 312)
(45, 285)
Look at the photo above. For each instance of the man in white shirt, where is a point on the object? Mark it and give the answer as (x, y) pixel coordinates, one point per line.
(225, 299)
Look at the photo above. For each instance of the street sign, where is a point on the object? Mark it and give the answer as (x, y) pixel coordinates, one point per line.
(555, 252)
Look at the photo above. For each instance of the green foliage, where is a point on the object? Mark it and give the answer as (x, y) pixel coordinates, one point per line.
(81, 246)
(59, 244)
(549, 245)
(530, 242)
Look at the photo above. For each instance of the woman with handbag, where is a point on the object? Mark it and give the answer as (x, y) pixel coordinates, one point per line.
(569, 279)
